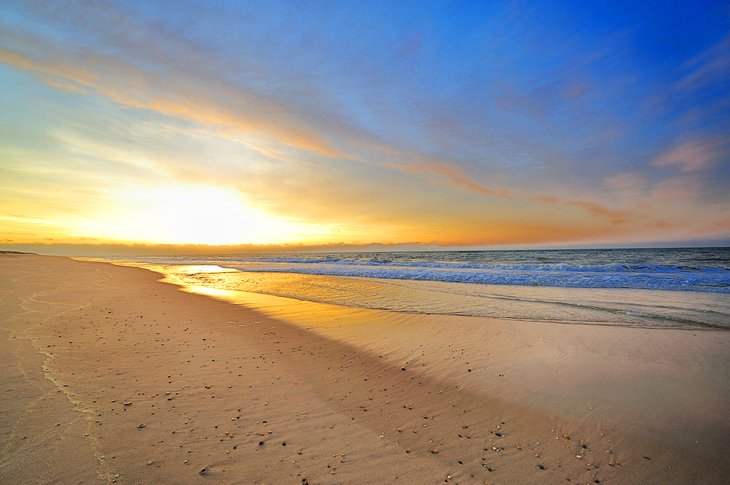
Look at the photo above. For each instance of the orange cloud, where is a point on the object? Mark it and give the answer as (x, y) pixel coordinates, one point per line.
(594, 208)
(682, 188)
(454, 176)
(457, 178)
(626, 185)
(140, 90)
(721, 226)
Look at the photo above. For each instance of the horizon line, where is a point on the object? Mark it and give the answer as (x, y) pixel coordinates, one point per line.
(151, 249)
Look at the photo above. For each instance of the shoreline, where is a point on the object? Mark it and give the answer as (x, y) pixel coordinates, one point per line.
(627, 307)
(217, 379)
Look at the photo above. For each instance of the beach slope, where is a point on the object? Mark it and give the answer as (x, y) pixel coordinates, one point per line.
(109, 375)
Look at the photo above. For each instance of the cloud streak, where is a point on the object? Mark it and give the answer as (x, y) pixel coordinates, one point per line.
(165, 96)
(692, 155)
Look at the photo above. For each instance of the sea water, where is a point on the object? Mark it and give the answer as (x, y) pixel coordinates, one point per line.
(666, 288)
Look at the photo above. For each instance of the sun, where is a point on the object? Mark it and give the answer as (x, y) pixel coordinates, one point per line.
(191, 214)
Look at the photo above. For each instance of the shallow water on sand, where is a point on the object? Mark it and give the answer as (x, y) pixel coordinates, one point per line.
(596, 306)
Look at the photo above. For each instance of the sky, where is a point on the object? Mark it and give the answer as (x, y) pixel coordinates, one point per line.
(444, 124)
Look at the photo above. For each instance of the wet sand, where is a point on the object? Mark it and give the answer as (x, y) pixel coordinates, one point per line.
(109, 375)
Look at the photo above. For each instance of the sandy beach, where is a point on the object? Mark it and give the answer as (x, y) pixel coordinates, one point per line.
(110, 375)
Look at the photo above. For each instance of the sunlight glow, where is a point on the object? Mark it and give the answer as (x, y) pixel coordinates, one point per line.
(191, 214)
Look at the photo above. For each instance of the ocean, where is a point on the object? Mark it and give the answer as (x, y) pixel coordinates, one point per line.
(663, 288)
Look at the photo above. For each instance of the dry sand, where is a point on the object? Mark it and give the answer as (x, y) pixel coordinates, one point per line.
(110, 375)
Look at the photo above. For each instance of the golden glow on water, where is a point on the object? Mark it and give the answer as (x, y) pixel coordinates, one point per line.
(204, 268)
(311, 297)
(227, 295)
(306, 313)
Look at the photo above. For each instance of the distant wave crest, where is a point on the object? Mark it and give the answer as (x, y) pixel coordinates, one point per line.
(658, 278)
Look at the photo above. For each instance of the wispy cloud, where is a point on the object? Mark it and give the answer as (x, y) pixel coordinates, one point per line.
(593, 208)
(215, 104)
(692, 155)
(627, 187)
(707, 68)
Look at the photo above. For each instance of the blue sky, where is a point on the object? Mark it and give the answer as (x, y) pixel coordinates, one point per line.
(455, 123)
